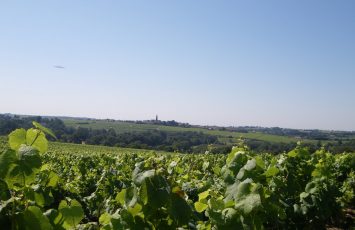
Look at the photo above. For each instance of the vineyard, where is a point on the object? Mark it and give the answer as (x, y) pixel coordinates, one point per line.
(80, 187)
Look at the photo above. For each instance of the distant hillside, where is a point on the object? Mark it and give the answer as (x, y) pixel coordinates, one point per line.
(183, 137)
(272, 134)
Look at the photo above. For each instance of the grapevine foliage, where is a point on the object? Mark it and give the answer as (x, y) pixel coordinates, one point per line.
(69, 187)
(27, 186)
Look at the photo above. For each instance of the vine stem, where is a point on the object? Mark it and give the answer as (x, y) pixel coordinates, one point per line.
(13, 221)
(38, 133)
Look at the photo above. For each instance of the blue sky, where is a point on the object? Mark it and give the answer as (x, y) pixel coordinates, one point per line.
(265, 63)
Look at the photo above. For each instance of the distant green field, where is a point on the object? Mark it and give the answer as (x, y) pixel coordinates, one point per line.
(84, 149)
(92, 149)
(224, 136)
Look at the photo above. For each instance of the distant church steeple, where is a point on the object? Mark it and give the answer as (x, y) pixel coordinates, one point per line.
(156, 117)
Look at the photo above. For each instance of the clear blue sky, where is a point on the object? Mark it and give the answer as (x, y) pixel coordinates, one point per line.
(266, 63)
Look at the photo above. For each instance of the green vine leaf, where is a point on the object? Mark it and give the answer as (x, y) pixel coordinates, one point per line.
(44, 129)
(17, 138)
(37, 139)
(72, 213)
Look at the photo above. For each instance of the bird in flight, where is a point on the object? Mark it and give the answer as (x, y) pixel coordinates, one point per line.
(58, 66)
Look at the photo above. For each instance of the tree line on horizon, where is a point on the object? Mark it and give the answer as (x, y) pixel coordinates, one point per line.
(181, 141)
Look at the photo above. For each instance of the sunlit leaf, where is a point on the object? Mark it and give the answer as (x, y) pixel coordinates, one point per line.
(44, 129)
(72, 213)
(17, 138)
